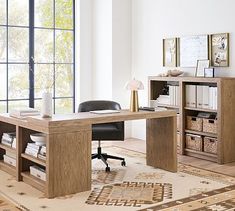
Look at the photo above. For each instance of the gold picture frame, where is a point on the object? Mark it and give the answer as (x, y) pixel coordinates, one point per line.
(170, 52)
(219, 50)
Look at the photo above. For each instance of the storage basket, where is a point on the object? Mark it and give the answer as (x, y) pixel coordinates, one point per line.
(210, 145)
(210, 125)
(194, 142)
(194, 123)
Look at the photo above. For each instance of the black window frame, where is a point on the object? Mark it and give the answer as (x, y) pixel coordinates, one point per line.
(30, 62)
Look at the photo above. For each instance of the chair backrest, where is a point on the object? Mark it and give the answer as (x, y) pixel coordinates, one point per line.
(104, 105)
(98, 105)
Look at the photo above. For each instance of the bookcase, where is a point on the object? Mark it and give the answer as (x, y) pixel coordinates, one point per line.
(225, 113)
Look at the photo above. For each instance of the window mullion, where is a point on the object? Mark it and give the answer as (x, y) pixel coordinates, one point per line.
(31, 53)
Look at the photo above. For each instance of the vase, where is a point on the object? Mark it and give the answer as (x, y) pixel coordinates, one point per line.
(46, 110)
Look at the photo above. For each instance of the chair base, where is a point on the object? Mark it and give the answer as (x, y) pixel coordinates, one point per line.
(105, 156)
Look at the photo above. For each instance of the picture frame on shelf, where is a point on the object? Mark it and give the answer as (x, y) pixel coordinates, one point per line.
(209, 72)
(201, 65)
(170, 52)
(219, 50)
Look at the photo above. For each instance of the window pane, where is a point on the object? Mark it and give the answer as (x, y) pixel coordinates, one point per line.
(18, 12)
(64, 81)
(18, 104)
(18, 44)
(43, 45)
(3, 78)
(18, 81)
(44, 77)
(3, 44)
(3, 12)
(44, 13)
(64, 47)
(3, 107)
(64, 14)
(63, 106)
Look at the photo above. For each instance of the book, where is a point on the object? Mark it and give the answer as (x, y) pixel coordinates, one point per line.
(24, 112)
(205, 97)
(191, 94)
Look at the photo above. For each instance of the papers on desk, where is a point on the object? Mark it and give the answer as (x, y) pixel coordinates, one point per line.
(24, 112)
(105, 111)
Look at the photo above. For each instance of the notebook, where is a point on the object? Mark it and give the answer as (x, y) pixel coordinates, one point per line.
(105, 111)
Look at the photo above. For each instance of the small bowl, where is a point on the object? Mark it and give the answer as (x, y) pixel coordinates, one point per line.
(38, 138)
(175, 73)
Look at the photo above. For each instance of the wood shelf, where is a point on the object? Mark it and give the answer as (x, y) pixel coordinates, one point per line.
(201, 133)
(202, 155)
(225, 124)
(8, 148)
(200, 109)
(8, 168)
(34, 159)
(34, 181)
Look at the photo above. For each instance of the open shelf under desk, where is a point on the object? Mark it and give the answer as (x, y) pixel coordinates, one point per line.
(34, 159)
(33, 181)
(8, 168)
(202, 133)
(202, 155)
(8, 148)
(200, 109)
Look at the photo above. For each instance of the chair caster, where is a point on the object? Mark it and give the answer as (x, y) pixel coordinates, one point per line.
(107, 169)
(123, 163)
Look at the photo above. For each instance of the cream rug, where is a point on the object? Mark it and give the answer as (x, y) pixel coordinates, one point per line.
(135, 187)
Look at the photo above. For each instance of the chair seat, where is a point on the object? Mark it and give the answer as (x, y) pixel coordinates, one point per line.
(106, 132)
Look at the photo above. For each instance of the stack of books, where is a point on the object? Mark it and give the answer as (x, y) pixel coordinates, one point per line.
(163, 99)
(42, 153)
(10, 158)
(23, 113)
(32, 149)
(9, 139)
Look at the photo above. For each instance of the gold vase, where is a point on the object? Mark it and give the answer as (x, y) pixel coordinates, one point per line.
(134, 105)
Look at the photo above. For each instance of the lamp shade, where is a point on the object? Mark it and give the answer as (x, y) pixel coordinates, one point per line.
(134, 85)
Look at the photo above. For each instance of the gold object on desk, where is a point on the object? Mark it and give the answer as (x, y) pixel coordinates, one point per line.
(134, 86)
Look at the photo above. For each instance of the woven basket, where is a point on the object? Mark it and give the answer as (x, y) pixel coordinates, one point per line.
(194, 123)
(193, 142)
(210, 145)
(210, 125)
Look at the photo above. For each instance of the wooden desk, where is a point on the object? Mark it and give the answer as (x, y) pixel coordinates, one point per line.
(68, 163)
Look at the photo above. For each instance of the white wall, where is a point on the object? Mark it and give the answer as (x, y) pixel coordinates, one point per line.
(153, 20)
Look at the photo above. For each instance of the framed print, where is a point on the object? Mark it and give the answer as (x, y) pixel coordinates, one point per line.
(220, 50)
(209, 72)
(193, 48)
(201, 65)
(169, 52)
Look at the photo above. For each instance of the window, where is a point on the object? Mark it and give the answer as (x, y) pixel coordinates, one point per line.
(37, 53)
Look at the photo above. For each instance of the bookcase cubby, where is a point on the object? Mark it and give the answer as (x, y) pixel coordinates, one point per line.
(225, 114)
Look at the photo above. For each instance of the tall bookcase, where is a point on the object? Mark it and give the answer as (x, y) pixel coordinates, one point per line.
(225, 114)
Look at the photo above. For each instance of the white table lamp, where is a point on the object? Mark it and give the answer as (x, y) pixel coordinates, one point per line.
(134, 86)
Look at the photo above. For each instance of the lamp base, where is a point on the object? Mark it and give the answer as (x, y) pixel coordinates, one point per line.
(134, 105)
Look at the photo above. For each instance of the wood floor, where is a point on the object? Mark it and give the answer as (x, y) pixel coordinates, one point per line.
(140, 146)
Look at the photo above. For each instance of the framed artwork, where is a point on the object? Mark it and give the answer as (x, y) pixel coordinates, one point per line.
(169, 52)
(220, 50)
(193, 48)
(209, 72)
(201, 65)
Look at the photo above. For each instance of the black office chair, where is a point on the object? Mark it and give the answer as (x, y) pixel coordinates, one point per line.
(105, 131)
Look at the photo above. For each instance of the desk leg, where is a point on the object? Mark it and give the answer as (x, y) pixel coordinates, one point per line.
(68, 162)
(161, 151)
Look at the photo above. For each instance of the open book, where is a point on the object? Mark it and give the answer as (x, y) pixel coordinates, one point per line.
(105, 111)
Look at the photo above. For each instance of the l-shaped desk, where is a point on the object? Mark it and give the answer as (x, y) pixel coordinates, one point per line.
(68, 162)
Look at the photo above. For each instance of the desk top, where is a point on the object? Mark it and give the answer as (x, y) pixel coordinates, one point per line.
(81, 119)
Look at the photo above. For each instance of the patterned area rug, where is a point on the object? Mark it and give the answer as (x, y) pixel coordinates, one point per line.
(135, 187)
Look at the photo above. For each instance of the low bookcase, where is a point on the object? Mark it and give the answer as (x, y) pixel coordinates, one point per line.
(224, 112)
